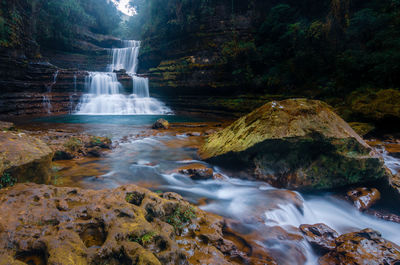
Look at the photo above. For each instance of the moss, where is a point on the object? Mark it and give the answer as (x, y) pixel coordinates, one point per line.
(362, 128)
(73, 144)
(181, 217)
(7, 180)
(96, 141)
(376, 105)
(144, 239)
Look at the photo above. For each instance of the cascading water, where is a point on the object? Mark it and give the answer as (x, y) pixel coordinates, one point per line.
(104, 95)
(47, 98)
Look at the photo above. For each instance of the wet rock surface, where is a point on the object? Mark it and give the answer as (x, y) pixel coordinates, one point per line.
(295, 143)
(68, 145)
(5, 126)
(394, 182)
(197, 171)
(161, 124)
(320, 236)
(23, 158)
(384, 215)
(363, 247)
(364, 198)
(128, 225)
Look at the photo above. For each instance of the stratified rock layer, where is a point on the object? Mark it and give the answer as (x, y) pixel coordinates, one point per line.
(128, 225)
(24, 158)
(296, 143)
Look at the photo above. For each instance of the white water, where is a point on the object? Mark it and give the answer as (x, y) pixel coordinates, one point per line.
(47, 104)
(47, 98)
(256, 206)
(104, 91)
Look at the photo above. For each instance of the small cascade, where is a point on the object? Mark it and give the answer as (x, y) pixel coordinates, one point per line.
(47, 98)
(75, 83)
(46, 104)
(126, 57)
(104, 91)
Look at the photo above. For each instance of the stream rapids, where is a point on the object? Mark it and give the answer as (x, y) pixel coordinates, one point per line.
(256, 210)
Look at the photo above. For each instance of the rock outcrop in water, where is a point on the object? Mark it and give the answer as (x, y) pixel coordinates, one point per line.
(363, 247)
(161, 124)
(23, 158)
(363, 198)
(128, 225)
(296, 143)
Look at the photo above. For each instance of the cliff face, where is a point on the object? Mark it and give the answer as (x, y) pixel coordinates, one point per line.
(188, 70)
(204, 54)
(192, 63)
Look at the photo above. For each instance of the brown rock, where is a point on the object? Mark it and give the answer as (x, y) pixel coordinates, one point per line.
(364, 198)
(6, 126)
(394, 182)
(209, 132)
(384, 215)
(23, 158)
(365, 247)
(320, 236)
(70, 145)
(161, 124)
(94, 151)
(194, 134)
(196, 171)
(120, 226)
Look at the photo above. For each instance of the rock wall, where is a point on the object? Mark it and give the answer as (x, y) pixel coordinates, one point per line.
(189, 72)
(191, 64)
(28, 86)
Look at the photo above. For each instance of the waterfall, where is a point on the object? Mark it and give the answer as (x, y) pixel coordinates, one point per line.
(46, 104)
(104, 92)
(125, 58)
(47, 98)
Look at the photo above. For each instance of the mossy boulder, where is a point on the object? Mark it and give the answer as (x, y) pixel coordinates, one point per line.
(23, 159)
(295, 143)
(161, 124)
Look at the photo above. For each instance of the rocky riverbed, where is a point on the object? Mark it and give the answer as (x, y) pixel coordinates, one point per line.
(113, 199)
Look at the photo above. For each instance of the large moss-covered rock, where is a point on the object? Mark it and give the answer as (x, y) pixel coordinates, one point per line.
(296, 143)
(127, 225)
(23, 158)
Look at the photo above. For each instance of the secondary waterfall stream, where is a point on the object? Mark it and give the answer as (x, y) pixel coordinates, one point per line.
(104, 92)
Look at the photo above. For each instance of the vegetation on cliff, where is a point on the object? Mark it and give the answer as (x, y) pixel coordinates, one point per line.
(25, 24)
(321, 49)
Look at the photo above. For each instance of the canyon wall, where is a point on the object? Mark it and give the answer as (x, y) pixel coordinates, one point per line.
(44, 55)
(226, 55)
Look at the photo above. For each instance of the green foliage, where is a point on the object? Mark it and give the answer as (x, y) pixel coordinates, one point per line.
(325, 48)
(181, 217)
(96, 141)
(73, 144)
(7, 180)
(129, 197)
(144, 239)
(54, 23)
